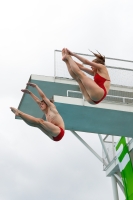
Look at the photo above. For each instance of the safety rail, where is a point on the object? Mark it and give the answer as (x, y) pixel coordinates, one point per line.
(120, 70)
(106, 99)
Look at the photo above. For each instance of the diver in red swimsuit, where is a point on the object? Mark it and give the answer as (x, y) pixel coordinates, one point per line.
(95, 90)
(53, 126)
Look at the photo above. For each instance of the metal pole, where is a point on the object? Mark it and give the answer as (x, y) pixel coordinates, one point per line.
(121, 186)
(114, 186)
(114, 183)
(127, 139)
(105, 137)
(83, 142)
(120, 183)
(104, 148)
(118, 178)
(106, 57)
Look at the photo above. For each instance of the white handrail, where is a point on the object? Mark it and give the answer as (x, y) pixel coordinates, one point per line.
(124, 98)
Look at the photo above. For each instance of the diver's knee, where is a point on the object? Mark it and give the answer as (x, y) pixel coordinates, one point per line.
(40, 121)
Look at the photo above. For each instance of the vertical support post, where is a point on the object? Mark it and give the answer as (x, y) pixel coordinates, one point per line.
(127, 139)
(114, 186)
(114, 183)
(104, 148)
(121, 187)
(83, 101)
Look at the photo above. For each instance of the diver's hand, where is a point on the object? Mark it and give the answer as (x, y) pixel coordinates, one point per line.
(26, 91)
(31, 84)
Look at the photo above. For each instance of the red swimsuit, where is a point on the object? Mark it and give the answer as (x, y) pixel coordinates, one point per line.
(99, 80)
(60, 136)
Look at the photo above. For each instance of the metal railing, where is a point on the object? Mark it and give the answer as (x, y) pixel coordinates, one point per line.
(120, 70)
(113, 96)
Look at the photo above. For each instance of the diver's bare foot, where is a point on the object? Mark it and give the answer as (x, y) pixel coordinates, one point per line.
(65, 56)
(15, 111)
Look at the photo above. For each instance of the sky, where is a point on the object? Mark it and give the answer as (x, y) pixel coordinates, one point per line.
(32, 166)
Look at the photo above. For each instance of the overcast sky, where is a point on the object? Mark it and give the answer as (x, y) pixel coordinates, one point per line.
(31, 165)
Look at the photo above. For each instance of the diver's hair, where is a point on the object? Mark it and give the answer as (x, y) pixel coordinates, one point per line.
(51, 100)
(99, 58)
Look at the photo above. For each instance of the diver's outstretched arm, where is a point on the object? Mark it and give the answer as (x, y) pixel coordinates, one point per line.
(36, 99)
(85, 69)
(41, 93)
(84, 60)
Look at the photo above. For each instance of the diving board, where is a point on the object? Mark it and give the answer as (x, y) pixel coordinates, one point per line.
(113, 116)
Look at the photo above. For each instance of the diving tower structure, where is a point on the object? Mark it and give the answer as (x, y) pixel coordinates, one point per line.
(111, 118)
